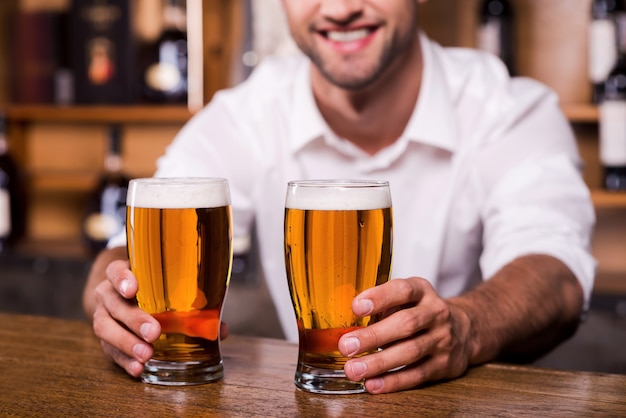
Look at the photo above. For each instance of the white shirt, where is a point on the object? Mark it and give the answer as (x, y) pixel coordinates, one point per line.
(486, 170)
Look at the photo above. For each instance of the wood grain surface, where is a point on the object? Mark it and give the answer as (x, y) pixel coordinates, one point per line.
(53, 367)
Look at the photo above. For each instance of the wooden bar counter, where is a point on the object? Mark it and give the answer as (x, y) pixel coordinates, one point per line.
(55, 368)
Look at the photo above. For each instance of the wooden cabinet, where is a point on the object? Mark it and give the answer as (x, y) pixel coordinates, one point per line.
(61, 148)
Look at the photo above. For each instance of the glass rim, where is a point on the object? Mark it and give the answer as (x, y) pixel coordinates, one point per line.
(343, 183)
(178, 180)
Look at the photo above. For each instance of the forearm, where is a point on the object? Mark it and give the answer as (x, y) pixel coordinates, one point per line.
(97, 275)
(526, 309)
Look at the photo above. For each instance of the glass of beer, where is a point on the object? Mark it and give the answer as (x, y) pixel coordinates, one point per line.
(179, 234)
(338, 242)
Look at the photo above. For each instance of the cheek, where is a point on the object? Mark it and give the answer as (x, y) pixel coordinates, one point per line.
(297, 17)
(298, 10)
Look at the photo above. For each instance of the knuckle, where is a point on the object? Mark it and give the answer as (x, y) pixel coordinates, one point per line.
(442, 310)
(378, 363)
(115, 270)
(404, 289)
(101, 290)
(409, 322)
(418, 376)
(414, 350)
(393, 382)
(98, 325)
(369, 338)
(446, 340)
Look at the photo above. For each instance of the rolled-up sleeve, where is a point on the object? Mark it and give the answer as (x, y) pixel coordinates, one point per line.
(536, 201)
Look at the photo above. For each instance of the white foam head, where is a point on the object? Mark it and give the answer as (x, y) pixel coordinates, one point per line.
(178, 193)
(338, 195)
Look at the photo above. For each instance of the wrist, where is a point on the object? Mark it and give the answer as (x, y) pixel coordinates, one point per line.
(466, 327)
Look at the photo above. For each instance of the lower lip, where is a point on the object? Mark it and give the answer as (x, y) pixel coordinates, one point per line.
(352, 46)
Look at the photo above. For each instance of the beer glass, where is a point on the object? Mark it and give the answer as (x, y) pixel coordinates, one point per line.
(179, 234)
(338, 242)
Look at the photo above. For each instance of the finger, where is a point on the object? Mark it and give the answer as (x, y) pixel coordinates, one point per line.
(223, 330)
(402, 353)
(121, 345)
(127, 314)
(390, 295)
(400, 325)
(131, 365)
(428, 370)
(119, 274)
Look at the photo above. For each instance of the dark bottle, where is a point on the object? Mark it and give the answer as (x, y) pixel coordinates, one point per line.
(12, 196)
(613, 113)
(105, 211)
(496, 31)
(102, 51)
(164, 61)
(602, 41)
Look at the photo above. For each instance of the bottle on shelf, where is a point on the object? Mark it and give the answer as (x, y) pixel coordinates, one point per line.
(102, 51)
(602, 41)
(12, 196)
(164, 61)
(105, 210)
(496, 30)
(613, 113)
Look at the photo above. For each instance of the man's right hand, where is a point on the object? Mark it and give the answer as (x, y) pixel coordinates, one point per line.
(125, 331)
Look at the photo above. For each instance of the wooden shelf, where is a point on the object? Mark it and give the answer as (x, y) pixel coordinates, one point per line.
(603, 199)
(610, 283)
(177, 113)
(102, 114)
(581, 112)
(64, 181)
(58, 248)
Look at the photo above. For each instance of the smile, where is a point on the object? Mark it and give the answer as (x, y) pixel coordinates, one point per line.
(347, 36)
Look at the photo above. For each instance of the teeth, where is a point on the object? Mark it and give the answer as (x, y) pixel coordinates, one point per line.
(347, 36)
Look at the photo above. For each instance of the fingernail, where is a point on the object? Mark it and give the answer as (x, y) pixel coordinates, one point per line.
(147, 331)
(351, 345)
(124, 285)
(375, 384)
(141, 352)
(358, 368)
(364, 307)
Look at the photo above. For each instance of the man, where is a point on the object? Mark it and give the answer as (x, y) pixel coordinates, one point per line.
(492, 219)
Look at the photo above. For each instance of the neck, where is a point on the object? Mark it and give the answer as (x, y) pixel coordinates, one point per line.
(375, 117)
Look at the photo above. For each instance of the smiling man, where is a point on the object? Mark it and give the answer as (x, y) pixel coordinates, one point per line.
(492, 219)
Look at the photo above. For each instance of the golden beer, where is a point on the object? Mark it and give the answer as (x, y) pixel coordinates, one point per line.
(338, 242)
(180, 248)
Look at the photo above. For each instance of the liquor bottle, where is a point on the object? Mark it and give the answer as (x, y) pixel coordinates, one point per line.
(613, 114)
(103, 51)
(602, 41)
(105, 211)
(496, 32)
(164, 63)
(12, 196)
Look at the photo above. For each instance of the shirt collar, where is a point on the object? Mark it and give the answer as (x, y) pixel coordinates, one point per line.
(432, 122)
(307, 123)
(434, 118)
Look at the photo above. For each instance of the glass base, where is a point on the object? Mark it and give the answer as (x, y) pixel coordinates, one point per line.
(325, 381)
(170, 373)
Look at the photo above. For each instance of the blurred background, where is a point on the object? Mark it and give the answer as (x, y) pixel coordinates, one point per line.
(92, 91)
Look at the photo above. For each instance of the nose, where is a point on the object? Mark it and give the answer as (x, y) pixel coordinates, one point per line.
(341, 10)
